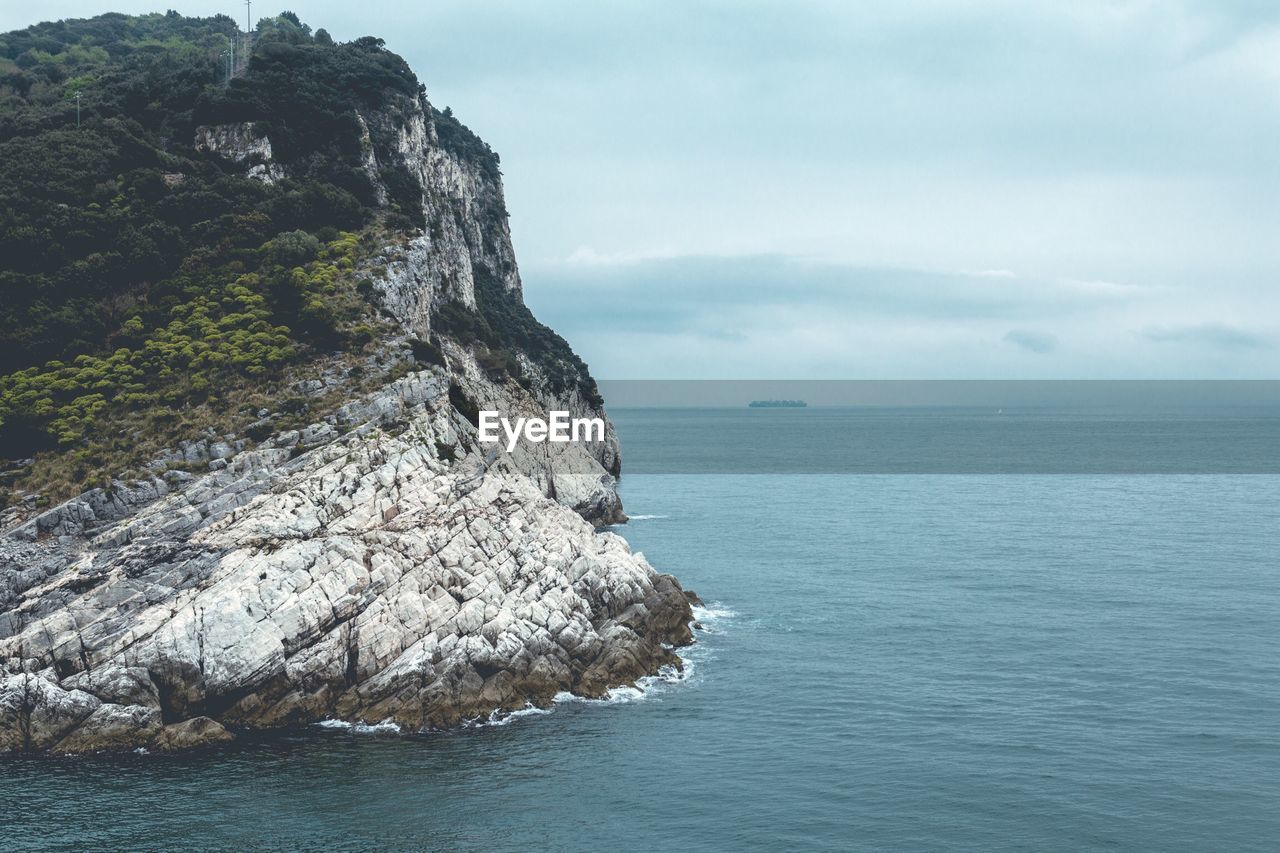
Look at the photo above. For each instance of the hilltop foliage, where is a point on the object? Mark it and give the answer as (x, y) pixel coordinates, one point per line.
(87, 220)
(136, 271)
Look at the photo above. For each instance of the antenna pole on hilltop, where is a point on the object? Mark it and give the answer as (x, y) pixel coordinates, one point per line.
(78, 96)
(248, 16)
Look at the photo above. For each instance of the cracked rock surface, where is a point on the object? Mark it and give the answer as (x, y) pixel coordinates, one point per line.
(365, 580)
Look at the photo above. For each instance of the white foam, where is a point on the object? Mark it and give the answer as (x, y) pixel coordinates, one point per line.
(645, 517)
(619, 695)
(712, 612)
(710, 617)
(387, 726)
(334, 724)
(502, 718)
(645, 687)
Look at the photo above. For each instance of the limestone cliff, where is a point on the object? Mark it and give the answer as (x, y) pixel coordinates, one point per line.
(381, 564)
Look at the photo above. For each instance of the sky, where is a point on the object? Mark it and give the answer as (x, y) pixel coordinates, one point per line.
(891, 190)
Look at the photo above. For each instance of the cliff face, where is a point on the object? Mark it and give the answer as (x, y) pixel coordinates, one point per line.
(465, 218)
(461, 258)
(380, 564)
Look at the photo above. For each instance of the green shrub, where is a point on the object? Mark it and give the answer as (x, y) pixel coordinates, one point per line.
(293, 248)
(427, 352)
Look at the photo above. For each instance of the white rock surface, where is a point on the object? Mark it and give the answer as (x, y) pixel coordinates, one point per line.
(243, 142)
(367, 579)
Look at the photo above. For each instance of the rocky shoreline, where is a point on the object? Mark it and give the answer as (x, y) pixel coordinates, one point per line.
(365, 580)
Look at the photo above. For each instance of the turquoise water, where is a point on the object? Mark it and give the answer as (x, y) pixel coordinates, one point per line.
(898, 662)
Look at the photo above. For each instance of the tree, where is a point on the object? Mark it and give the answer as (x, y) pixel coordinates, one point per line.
(293, 248)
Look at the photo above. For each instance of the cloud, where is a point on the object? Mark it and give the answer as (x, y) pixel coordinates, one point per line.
(1039, 342)
(675, 293)
(586, 256)
(778, 316)
(1254, 55)
(1217, 335)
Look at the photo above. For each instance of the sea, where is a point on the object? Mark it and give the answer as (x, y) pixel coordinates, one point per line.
(921, 654)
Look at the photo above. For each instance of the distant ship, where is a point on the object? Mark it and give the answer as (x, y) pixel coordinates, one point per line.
(777, 404)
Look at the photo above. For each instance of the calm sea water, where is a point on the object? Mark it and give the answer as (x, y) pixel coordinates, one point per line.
(897, 662)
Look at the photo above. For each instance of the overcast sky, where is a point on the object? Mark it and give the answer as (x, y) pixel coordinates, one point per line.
(898, 189)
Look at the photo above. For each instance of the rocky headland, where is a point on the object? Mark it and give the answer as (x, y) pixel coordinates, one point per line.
(379, 564)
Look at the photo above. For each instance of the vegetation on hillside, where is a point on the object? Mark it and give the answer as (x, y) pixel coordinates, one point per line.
(91, 227)
(151, 287)
(137, 271)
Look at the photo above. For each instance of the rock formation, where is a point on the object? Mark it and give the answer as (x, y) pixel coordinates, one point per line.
(243, 143)
(381, 564)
